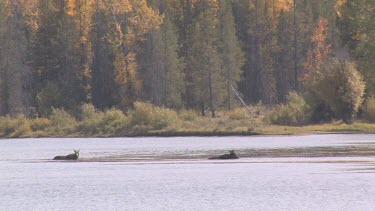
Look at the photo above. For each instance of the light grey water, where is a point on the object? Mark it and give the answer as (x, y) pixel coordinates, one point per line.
(174, 174)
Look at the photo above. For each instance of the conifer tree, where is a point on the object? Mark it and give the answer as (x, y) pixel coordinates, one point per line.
(233, 58)
(284, 56)
(174, 76)
(56, 59)
(208, 77)
(15, 75)
(104, 87)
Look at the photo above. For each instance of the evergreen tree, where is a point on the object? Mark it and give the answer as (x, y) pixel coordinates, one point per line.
(233, 58)
(55, 59)
(15, 75)
(208, 78)
(284, 57)
(160, 65)
(104, 87)
(174, 76)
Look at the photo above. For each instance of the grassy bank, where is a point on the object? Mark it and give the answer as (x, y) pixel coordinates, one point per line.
(148, 120)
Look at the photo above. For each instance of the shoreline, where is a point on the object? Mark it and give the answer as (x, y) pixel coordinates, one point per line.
(165, 133)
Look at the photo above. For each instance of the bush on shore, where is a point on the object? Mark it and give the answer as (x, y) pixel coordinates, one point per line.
(369, 109)
(295, 112)
(109, 122)
(61, 122)
(147, 115)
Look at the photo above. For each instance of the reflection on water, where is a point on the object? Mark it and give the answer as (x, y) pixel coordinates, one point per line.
(317, 172)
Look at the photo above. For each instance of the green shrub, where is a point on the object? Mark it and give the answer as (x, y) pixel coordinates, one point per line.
(22, 125)
(15, 127)
(188, 115)
(163, 118)
(295, 112)
(145, 114)
(40, 124)
(369, 109)
(339, 86)
(50, 96)
(114, 122)
(110, 122)
(89, 112)
(142, 114)
(61, 122)
(90, 119)
(7, 125)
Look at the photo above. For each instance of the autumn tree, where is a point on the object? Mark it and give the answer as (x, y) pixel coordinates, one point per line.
(319, 51)
(131, 20)
(356, 23)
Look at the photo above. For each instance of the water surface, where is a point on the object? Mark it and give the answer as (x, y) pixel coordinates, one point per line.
(316, 172)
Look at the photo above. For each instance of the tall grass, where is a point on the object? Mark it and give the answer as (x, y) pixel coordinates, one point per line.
(238, 114)
(187, 115)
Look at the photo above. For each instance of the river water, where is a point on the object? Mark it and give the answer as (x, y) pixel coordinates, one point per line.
(314, 172)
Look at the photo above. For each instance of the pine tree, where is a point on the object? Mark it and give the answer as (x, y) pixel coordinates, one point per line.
(208, 77)
(14, 73)
(173, 80)
(284, 56)
(104, 87)
(233, 58)
(56, 59)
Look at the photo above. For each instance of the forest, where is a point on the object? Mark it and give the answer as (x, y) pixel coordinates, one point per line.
(292, 62)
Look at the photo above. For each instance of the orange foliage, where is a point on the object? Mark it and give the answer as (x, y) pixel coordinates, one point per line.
(71, 5)
(320, 50)
(126, 76)
(285, 5)
(26, 8)
(139, 19)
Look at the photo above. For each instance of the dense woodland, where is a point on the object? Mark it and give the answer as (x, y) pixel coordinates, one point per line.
(188, 54)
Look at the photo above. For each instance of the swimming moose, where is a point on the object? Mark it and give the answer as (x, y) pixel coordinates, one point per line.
(73, 156)
(231, 155)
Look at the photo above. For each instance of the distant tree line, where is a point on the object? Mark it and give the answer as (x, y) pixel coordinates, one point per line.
(184, 54)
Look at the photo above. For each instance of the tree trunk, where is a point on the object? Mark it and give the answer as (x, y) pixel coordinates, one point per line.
(229, 80)
(296, 86)
(202, 107)
(212, 103)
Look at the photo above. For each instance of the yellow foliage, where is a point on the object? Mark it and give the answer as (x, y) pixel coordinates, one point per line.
(71, 4)
(285, 5)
